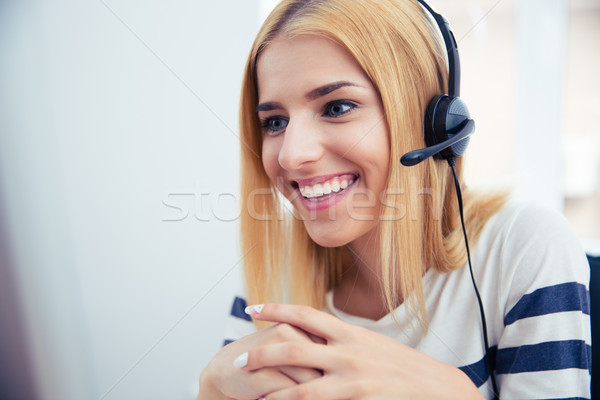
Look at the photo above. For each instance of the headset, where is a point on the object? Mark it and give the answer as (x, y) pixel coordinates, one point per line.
(447, 128)
(448, 124)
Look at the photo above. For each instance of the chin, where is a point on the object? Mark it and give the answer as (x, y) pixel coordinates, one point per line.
(328, 238)
(328, 242)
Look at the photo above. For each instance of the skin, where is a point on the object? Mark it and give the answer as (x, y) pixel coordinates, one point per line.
(357, 364)
(321, 117)
(221, 380)
(341, 132)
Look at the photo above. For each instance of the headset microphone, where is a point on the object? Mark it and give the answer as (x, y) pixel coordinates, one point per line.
(414, 157)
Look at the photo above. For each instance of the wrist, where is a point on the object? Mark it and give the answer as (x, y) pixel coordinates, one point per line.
(208, 389)
(468, 389)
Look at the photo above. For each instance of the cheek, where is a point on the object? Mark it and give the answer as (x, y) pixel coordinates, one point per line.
(270, 155)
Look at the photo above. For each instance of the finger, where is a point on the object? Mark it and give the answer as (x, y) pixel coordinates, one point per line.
(313, 321)
(299, 374)
(282, 332)
(263, 381)
(296, 354)
(320, 389)
(315, 338)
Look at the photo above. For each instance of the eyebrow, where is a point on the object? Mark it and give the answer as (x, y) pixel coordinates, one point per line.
(268, 106)
(326, 89)
(312, 95)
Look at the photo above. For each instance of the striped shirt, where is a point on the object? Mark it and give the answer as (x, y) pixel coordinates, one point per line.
(533, 278)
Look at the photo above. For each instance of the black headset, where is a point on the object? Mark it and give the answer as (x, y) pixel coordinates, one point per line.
(448, 127)
(447, 122)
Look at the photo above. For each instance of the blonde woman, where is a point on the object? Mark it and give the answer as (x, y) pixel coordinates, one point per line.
(355, 265)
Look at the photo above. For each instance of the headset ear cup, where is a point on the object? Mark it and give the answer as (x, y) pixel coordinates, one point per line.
(443, 117)
(456, 115)
(458, 149)
(431, 137)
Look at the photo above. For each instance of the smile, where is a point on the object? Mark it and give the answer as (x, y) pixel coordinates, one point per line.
(324, 187)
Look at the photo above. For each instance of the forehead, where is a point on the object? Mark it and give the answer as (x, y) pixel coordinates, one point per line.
(305, 62)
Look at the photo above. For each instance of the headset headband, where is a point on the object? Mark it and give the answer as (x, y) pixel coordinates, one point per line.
(451, 48)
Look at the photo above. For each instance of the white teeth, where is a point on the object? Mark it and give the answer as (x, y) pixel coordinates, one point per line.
(335, 185)
(322, 189)
(318, 190)
(307, 191)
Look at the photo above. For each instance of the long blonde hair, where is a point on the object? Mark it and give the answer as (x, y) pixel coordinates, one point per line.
(400, 51)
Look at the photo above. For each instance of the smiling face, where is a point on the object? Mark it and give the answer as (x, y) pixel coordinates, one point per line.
(325, 139)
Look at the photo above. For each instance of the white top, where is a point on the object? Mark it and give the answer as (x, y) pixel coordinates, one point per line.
(532, 275)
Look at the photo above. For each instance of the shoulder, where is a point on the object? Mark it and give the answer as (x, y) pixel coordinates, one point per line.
(528, 239)
(519, 220)
(534, 264)
(531, 247)
(531, 262)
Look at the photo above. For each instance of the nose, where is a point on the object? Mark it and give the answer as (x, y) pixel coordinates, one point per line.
(301, 145)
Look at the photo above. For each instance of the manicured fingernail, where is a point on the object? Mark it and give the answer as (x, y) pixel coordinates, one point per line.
(241, 361)
(254, 310)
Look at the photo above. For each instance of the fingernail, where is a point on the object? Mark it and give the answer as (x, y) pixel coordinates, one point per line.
(254, 310)
(241, 361)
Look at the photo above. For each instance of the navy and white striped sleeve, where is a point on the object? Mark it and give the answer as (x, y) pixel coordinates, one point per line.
(239, 324)
(544, 351)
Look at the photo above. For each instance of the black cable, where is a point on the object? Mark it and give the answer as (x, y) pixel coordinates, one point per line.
(481, 311)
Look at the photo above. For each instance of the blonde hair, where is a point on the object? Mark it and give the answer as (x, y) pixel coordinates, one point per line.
(399, 50)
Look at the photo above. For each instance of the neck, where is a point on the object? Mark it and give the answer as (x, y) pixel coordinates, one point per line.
(359, 291)
(365, 263)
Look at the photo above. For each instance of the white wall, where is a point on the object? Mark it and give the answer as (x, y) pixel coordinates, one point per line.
(106, 108)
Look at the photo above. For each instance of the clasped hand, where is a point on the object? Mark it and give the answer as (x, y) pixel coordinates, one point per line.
(309, 354)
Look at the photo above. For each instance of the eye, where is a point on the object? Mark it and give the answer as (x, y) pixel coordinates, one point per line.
(338, 108)
(274, 124)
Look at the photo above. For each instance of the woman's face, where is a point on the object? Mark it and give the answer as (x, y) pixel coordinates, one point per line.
(325, 138)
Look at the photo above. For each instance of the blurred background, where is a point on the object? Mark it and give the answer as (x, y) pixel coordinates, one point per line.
(119, 171)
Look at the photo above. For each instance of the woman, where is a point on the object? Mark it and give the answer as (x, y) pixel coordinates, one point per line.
(370, 254)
